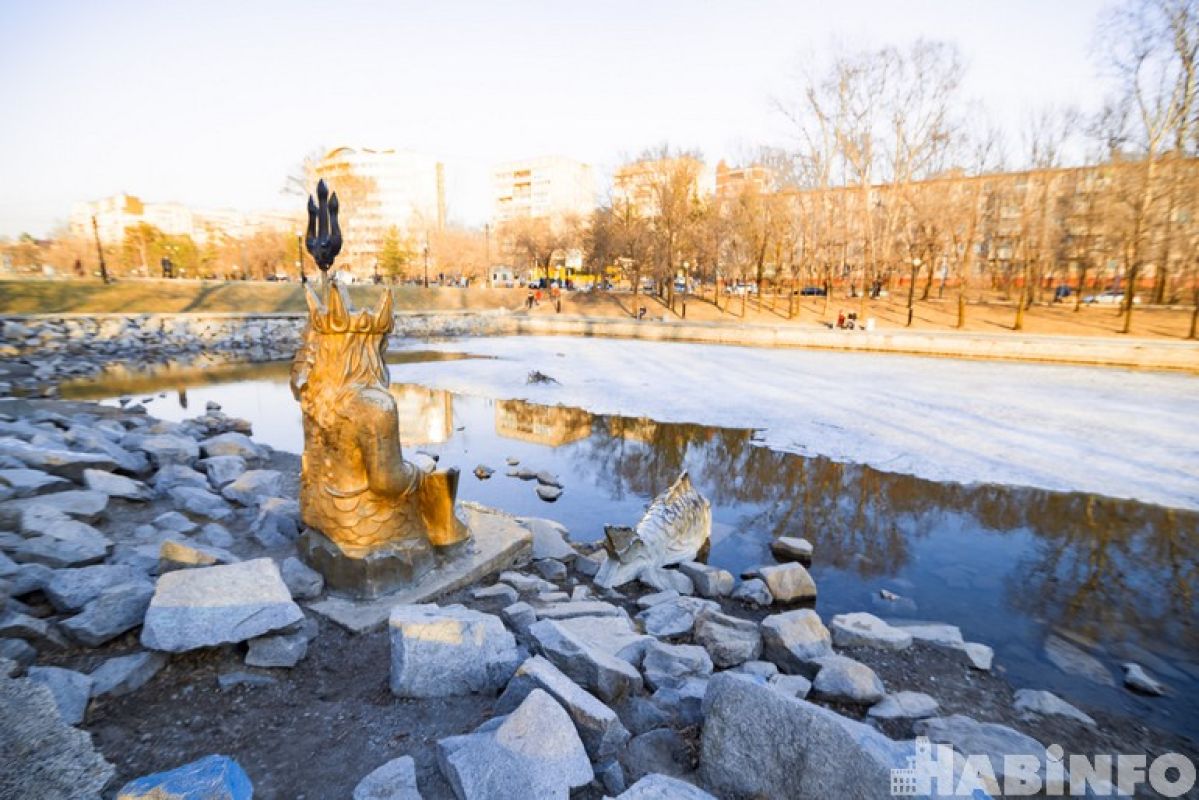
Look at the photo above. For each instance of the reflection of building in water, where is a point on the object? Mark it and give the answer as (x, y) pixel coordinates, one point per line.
(548, 425)
(426, 415)
(636, 429)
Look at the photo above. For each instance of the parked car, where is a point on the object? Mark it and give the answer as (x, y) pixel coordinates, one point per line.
(1062, 292)
(1111, 297)
(813, 291)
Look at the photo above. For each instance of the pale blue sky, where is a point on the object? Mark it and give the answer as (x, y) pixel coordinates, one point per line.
(212, 103)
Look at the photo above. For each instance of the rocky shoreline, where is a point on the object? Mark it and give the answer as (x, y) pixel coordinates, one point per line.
(693, 683)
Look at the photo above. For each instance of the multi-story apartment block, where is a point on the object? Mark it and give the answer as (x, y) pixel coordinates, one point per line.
(638, 183)
(380, 190)
(552, 187)
(116, 214)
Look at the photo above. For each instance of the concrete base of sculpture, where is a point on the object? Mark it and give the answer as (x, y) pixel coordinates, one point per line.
(369, 572)
(497, 542)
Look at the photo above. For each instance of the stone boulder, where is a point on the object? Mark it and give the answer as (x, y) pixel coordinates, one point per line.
(395, 780)
(253, 486)
(117, 485)
(41, 756)
(116, 610)
(125, 674)
(791, 548)
(534, 752)
(866, 630)
(303, 581)
(825, 754)
(71, 690)
(904, 705)
(600, 729)
(598, 653)
(969, 737)
(674, 617)
(444, 651)
(223, 470)
(708, 581)
(234, 444)
(210, 606)
(163, 448)
(663, 787)
(172, 475)
(280, 650)
(21, 482)
(789, 583)
(200, 502)
(844, 680)
(72, 589)
(60, 462)
(670, 665)
(1031, 701)
(795, 640)
(210, 778)
(753, 592)
(729, 640)
(549, 539)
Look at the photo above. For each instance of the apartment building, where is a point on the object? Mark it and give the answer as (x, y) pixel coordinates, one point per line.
(553, 187)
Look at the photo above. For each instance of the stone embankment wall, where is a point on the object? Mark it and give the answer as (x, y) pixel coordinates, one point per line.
(272, 336)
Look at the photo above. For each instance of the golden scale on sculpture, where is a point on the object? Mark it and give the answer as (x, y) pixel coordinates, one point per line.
(374, 522)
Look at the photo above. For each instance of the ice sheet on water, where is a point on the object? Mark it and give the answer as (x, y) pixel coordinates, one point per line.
(1108, 431)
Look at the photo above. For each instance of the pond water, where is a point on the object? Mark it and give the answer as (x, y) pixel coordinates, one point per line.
(1008, 565)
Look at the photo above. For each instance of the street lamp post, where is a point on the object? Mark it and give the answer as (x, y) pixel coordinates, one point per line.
(426, 262)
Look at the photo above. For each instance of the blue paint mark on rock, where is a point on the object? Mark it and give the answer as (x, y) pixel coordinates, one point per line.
(210, 778)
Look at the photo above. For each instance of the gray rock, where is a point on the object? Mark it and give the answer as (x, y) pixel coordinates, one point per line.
(214, 534)
(790, 685)
(936, 633)
(588, 565)
(519, 616)
(729, 640)
(848, 681)
(904, 705)
(601, 731)
(662, 579)
(253, 486)
(683, 704)
(500, 592)
(223, 470)
(791, 548)
(970, 737)
(17, 625)
(395, 780)
(1070, 659)
(209, 606)
(24, 482)
(610, 776)
(670, 665)
(579, 608)
(163, 448)
(866, 630)
(589, 651)
(708, 581)
(1032, 701)
(663, 787)
(526, 584)
(210, 778)
(795, 640)
(550, 569)
(72, 589)
(96, 441)
(281, 650)
(234, 444)
(172, 475)
(549, 539)
(826, 754)
(548, 493)
(674, 617)
(174, 522)
(763, 670)
(118, 609)
(650, 600)
(71, 690)
(534, 752)
(200, 502)
(43, 756)
(753, 592)
(64, 463)
(979, 655)
(117, 485)
(278, 521)
(80, 504)
(18, 651)
(1136, 678)
(125, 674)
(789, 583)
(440, 652)
(661, 751)
(302, 581)
(60, 543)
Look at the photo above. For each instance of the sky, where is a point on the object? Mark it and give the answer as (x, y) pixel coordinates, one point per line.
(214, 103)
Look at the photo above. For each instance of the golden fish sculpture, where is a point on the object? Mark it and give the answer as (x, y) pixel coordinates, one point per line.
(373, 519)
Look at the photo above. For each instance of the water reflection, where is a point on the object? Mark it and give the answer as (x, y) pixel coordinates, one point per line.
(1008, 565)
